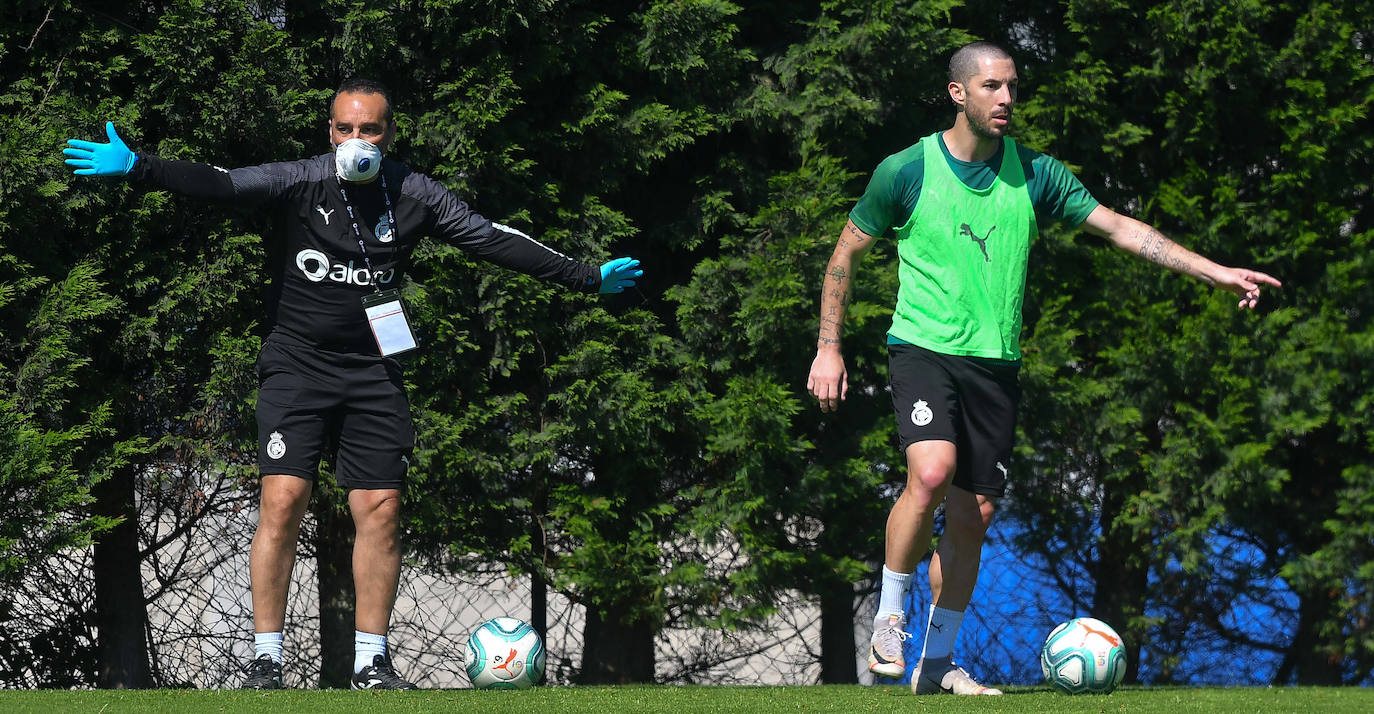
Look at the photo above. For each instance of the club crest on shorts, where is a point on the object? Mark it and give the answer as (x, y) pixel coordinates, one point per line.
(920, 413)
(276, 447)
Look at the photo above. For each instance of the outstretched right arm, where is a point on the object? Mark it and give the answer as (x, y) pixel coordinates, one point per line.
(828, 381)
(114, 158)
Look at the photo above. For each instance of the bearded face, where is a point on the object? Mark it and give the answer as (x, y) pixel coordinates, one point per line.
(988, 122)
(987, 98)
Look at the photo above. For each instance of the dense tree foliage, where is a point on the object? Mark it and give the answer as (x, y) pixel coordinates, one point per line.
(653, 456)
(1219, 451)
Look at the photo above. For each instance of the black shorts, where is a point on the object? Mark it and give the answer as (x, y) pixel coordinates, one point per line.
(967, 401)
(311, 400)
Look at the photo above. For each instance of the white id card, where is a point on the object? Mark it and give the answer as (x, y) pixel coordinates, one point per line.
(386, 314)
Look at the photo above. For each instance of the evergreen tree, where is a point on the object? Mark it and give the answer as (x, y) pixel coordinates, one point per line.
(620, 450)
(1210, 445)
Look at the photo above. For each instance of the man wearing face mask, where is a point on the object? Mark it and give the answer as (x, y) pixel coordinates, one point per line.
(348, 223)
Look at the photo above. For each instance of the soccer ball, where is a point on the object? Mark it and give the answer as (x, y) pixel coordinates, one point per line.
(504, 653)
(1083, 655)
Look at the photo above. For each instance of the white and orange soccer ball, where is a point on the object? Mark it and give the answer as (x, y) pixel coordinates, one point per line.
(504, 653)
(1083, 656)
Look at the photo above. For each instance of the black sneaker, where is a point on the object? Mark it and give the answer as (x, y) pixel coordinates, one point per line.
(263, 673)
(380, 675)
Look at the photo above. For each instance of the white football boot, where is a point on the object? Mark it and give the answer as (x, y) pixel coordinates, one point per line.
(944, 676)
(885, 657)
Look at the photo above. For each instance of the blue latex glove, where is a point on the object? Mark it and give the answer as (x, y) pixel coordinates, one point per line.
(92, 159)
(619, 274)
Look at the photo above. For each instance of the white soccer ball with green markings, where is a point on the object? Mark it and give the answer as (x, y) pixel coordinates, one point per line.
(504, 653)
(1083, 656)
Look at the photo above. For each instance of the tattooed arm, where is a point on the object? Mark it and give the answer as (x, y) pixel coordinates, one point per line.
(828, 381)
(1142, 239)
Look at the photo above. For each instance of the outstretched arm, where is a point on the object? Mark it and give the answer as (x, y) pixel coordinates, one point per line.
(114, 158)
(1142, 239)
(828, 381)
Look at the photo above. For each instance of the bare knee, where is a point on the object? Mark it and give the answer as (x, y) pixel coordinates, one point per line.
(932, 478)
(927, 485)
(282, 504)
(375, 511)
(930, 471)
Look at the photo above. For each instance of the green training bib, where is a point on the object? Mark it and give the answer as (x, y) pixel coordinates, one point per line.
(963, 259)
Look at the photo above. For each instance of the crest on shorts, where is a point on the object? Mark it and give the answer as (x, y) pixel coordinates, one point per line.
(276, 447)
(920, 413)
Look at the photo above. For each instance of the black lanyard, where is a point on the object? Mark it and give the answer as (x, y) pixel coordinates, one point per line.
(372, 275)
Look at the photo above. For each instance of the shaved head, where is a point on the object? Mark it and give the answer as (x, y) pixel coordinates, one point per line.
(967, 60)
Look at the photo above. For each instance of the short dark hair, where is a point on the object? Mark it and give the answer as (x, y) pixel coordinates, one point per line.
(362, 85)
(965, 61)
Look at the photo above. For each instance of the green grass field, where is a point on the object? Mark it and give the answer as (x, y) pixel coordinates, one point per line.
(687, 700)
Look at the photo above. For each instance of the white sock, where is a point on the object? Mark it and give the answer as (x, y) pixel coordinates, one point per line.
(941, 632)
(267, 643)
(892, 601)
(366, 646)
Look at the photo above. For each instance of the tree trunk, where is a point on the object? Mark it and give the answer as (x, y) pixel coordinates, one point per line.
(614, 652)
(838, 665)
(1308, 661)
(539, 605)
(120, 613)
(539, 587)
(334, 561)
(1122, 577)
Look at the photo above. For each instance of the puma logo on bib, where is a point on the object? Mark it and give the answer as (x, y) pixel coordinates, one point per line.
(982, 242)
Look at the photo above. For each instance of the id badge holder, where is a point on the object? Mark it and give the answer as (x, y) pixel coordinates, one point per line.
(386, 315)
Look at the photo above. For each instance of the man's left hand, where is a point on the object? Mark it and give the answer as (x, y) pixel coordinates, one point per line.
(1246, 284)
(92, 159)
(619, 274)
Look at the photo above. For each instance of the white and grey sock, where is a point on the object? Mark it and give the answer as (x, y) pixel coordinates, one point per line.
(267, 643)
(365, 647)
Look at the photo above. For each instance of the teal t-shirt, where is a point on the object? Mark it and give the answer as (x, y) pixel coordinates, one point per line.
(895, 189)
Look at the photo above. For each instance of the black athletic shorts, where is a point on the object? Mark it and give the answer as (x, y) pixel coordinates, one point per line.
(967, 401)
(311, 400)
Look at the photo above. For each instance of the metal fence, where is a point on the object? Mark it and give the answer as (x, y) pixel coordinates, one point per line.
(199, 607)
(201, 631)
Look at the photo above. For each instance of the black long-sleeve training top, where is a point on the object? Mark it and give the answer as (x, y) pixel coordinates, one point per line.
(318, 271)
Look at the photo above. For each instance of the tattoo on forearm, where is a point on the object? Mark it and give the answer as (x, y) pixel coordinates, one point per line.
(836, 296)
(831, 329)
(1155, 248)
(832, 321)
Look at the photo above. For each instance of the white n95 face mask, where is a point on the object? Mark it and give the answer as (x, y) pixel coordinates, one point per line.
(357, 160)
